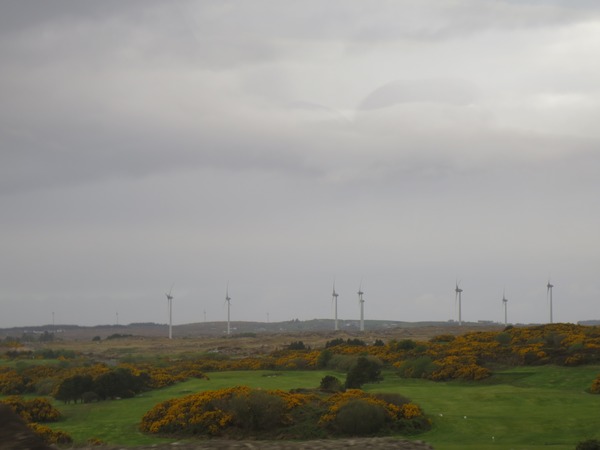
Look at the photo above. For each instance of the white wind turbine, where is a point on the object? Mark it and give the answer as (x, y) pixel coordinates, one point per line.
(170, 304)
(505, 303)
(361, 302)
(228, 301)
(458, 297)
(334, 299)
(549, 287)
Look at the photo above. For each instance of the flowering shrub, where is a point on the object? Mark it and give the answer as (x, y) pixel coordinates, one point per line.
(444, 357)
(242, 409)
(210, 412)
(49, 435)
(11, 382)
(38, 410)
(455, 367)
(35, 410)
(397, 415)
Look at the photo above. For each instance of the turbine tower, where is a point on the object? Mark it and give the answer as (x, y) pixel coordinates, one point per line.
(170, 304)
(334, 298)
(458, 297)
(505, 303)
(228, 301)
(361, 302)
(549, 287)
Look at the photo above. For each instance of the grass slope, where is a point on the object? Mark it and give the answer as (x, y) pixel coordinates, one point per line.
(116, 422)
(522, 409)
(525, 408)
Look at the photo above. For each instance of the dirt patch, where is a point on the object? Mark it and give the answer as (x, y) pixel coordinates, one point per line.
(321, 444)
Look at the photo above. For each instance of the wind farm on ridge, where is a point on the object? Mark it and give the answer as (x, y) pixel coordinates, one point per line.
(361, 301)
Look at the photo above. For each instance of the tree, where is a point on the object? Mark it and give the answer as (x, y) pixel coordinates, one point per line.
(119, 382)
(73, 388)
(365, 370)
(324, 358)
(297, 345)
(330, 383)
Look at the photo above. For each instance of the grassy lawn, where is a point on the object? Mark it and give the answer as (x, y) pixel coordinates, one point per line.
(525, 408)
(116, 422)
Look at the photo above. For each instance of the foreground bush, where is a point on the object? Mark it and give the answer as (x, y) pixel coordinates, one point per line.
(212, 412)
(400, 415)
(242, 411)
(49, 435)
(359, 417)
(37, 410)
(590, 444)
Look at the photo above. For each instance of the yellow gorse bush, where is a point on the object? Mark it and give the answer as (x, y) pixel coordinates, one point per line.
(212, 412)
(203, 413)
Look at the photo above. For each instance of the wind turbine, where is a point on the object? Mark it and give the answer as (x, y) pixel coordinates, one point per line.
(549, 287)
(170, 303)
(361, 302)
(505, 302)
(458, 296)
(228, 301)
(334, 297)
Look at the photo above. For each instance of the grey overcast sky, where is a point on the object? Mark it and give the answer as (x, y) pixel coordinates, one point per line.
(277, 145)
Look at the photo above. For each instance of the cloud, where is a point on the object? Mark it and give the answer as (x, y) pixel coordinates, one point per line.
(445, 91)
(278, 145)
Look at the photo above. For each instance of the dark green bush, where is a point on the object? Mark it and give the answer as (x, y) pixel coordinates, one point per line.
(405, 344)
(417, 368)
(334, 342)
(503, 338)
(324, 358)
(258, 411)
(366, 370)
(72, 388)
(359, 418)
(330, 383)
(343, 363)
(297, 345)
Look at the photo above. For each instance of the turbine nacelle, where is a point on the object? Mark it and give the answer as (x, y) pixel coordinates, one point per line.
(458, 299)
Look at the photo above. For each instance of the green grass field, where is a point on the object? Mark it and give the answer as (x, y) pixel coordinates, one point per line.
(525, 408)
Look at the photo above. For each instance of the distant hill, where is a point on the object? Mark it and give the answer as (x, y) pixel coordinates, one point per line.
(589, 323)
(213, 329)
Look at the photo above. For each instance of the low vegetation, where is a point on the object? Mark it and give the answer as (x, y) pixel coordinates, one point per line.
(343, 402)
(243, 412)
